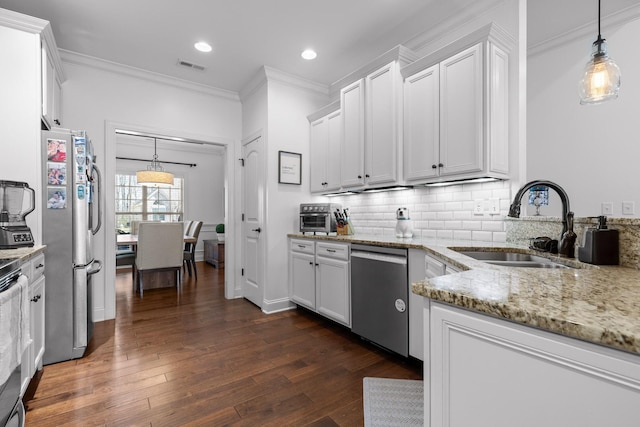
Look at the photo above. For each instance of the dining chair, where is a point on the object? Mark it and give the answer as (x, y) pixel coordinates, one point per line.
(187, 227)
(189, 255)
(125, 255)
(160, 248)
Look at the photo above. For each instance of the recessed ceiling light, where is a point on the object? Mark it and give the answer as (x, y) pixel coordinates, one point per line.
(309, 54)
(203, 47)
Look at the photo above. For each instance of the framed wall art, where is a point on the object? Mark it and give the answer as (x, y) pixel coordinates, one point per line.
(289, 165)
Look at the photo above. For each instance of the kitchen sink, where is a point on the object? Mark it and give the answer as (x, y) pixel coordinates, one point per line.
(513, 259)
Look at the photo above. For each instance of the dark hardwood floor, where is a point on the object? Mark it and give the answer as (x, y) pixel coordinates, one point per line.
(194, 358)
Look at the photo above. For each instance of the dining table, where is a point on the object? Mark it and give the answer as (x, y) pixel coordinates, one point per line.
(132, 239)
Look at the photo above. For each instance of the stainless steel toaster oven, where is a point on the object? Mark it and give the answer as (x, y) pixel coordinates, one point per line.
(318, 217)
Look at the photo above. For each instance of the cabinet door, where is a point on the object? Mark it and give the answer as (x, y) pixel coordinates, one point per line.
(37, 321)
(486, 371)
(57, 102)
(381, 138)
(302, 276)
(318, 155)
(48, 83)
(333, 291)
(422, 124)
(332, 155)
(461, 112)
(352, 152)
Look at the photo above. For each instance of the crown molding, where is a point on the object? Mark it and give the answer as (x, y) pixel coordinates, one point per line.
(113, 67)
(295, 81)
(19, 21)
(268, 74)
(491, 32)
(587, 31)
(399, 53)
(438, 32)
(258, 80)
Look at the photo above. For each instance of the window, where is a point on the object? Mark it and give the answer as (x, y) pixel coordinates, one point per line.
(136, 202)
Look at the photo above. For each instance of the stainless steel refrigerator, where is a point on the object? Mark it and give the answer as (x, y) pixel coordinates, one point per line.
(71, 217)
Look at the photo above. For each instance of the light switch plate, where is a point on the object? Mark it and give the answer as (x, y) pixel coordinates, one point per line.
(607, 208)
(628, 208)
(478, 207)
(494, 206)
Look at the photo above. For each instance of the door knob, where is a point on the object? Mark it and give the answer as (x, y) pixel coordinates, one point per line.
(257, 230)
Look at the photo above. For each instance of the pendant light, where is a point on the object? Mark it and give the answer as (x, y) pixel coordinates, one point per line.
(154, 174)
(601, 79)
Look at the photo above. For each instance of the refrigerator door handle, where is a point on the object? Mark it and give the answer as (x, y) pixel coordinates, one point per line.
(95, 267)
(99, 198)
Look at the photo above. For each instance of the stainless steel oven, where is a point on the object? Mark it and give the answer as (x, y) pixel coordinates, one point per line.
(318, 217)
(11, 408)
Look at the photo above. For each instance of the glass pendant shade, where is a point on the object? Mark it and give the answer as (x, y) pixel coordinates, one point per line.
(601, 79)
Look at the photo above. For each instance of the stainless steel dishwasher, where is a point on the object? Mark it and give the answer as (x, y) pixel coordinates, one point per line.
(379, 296)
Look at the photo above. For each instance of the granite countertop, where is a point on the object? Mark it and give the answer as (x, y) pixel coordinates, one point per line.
(599, 304)
(21, 252)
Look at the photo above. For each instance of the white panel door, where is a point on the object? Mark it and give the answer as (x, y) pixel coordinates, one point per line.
(422, 124)
(253, 202)
(461, 112)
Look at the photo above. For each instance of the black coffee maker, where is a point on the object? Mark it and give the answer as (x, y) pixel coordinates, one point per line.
(14, 232)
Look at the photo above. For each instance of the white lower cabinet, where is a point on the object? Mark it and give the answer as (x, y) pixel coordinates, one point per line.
(32, 356)
(422, 265)
(302, 273)
(319, 278)
(487, 371)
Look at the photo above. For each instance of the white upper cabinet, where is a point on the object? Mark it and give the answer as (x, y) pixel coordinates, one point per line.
(456, 111)
(370, 109)
(422, 124)
(326, 137)
(352, 152)
(461, 127)
(51, 87)
(381, 137)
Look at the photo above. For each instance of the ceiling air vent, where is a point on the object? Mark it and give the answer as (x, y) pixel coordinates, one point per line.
(191, 65)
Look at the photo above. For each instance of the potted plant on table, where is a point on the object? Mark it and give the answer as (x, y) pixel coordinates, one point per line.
(220, 232)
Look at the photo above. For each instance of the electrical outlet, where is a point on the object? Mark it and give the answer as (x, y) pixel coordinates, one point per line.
(494, 206)
(478, 207)
(607, 208)
(628, 208)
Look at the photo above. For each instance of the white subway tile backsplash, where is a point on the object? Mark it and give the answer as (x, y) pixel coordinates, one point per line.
(442, 212)
(462, 234)
(482, 236)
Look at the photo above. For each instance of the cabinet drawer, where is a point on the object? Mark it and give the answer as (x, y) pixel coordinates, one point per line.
(434, 267)
(37, 267)
(333, 250)
(304, 246)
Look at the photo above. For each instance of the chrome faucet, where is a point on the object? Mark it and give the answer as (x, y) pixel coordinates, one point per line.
(567, 243)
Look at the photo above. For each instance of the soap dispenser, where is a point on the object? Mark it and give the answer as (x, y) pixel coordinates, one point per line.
(601, 245)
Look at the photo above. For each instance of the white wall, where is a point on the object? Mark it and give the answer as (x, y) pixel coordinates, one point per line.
(276, 107)
(289, 103)
(591, 151)
(97, 95)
